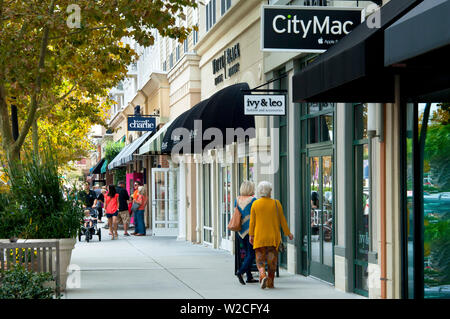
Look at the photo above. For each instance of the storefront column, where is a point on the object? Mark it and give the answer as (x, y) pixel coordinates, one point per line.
(374, 270)
(199, 199)
(182, 200)
(293, 173)
(393, 228)
(215, 211)
(147, 221)
(344, 232)
(191, 199)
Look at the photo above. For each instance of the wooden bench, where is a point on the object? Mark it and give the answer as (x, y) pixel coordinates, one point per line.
(35, 256)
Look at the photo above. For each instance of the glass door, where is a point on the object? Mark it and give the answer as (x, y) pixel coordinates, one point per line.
(226, 207)
(321, 221)
(207, 214)
(164, 202)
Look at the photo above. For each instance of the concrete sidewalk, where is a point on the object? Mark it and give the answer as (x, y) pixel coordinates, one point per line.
(164, 268)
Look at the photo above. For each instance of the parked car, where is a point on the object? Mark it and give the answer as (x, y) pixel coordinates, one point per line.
(438, 203)
(438, 292)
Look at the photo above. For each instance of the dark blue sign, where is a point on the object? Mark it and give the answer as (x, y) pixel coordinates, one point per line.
(141, 123)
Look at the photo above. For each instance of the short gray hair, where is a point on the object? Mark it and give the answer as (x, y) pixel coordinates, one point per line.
(247, 188)
(264, 189)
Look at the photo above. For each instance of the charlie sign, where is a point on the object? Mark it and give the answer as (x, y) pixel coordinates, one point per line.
(306, 29)
(265, 104)
(141, 123)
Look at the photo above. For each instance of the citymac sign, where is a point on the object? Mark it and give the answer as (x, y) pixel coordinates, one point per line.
(306, 29)
(141, 123)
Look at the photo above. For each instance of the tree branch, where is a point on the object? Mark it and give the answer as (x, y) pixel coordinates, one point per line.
(33, 107)
(79, 31)
(67, 94)
(59, 99)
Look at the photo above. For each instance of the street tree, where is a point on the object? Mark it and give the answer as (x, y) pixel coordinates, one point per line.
(55, 52)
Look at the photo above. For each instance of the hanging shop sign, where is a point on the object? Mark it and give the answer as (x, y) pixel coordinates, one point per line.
(141, 123)
(225, 64)
(306, 29)
(265, 104)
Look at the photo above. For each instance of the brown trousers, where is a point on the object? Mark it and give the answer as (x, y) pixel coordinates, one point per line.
(269, 255)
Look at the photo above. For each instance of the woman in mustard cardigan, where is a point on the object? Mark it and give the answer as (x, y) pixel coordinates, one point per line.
(265, 219)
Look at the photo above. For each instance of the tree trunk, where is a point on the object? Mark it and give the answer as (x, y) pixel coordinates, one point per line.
(35, 138)
(11, 147)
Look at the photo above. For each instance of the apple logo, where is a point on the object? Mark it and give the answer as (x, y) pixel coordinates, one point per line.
(320, 41)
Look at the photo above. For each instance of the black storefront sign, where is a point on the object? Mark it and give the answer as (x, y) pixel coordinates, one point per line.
(305, 29)
(224, 62)
(141, 123)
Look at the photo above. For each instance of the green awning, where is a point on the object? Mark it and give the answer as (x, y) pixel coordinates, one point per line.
(96, 169)
(104, 166)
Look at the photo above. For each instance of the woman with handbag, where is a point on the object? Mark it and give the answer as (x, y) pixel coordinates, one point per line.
(242, 206)
(266, 217)
(140, 201)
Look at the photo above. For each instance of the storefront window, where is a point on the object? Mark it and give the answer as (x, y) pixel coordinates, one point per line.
(434, 128)
(313, 108)
(313, 129)
(327, 126)
(409, 201)
(428, 197)
(226, 199)
(246, 168)
(361, 198)
(320, 122)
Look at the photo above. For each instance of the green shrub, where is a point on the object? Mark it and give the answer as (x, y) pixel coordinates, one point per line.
(37, 207)
(20, 283)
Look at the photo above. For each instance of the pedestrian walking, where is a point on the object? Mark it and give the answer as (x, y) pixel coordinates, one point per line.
(266, 216)
(100, 204)
(124, 215)
(88, 196)
(139, 222)
(244, 204)
(111, 210)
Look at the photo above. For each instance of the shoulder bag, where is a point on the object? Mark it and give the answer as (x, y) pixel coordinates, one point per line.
(135, 206)
(281, 247)
(235, 221)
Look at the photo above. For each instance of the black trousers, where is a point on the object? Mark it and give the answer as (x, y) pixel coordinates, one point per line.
(100, 212)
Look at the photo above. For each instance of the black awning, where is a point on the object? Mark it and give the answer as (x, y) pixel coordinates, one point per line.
(353, 69)
(97, 168)
(423, 29)
(224, 109)
(417, 47)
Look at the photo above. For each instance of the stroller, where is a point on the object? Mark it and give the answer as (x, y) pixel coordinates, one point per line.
(90, 231)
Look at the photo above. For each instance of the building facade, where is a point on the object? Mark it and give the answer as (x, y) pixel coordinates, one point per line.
(343, 159)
